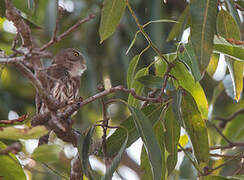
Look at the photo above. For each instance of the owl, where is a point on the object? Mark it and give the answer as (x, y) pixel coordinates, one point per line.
(62, 78)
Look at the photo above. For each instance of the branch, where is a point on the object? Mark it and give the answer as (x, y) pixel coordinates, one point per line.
(68, 31)
(13, 148)
(13, 14)
(20, 119)
(225, 120)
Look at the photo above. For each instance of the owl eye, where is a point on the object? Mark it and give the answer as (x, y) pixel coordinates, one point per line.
(76, 54)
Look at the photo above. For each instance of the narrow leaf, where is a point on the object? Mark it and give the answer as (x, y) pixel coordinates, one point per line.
(151, 81)
(10, 167)
(84, 154)
(111, 14)
(189, 58)
(138, 87)
(115, 140)
(213, 64)
(196, 128)
(185, 80)
(178, 28)
(203, 15)
(146, 132)
(216, 178)
(228, 28)
(145, 163)
(115, 163)
(12, 133)
(233, 10)
(171, 138)
(132, 43)
(176, 106)
(131, 70)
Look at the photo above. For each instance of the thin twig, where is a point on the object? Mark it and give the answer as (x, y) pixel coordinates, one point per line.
(220, 133)
(154, 47)
(190, 159)
(68, 31)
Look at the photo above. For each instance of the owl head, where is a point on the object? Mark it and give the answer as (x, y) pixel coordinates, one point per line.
(72, 60)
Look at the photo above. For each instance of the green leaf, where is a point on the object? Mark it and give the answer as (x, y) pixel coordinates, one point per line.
(196, 128)
(115, 140)
(47, 153)
(111, 14)
(228, 28)
(185, 80)
(233, 10)
(232, 51)
(115, 163)
(132, 43)
(138, 87)
(203, 15)
(176, 106)
(160, 66)
(144, 128)
(171, 138)
(2, 9)
(12, 133)
(189, 58)
(151, 81)
(84, 153)
(178, 28)
(145, 163)
(213, 64)
(170, 56)
(10, 167)
(187, 171)
(131, 70)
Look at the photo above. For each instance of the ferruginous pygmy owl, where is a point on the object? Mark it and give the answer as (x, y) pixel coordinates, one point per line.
(63, 78)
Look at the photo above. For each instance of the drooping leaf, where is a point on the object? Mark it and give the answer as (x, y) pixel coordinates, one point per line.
(196, 128)
(47, 153)
(115, 163)
(233, 10)
(160, 66)
(145, 163)
(186, 80)
(178, 28)
(84, 153)
(228, 28)
(176, 106)
(12, 133)
(131, 70)
(213, 64)
(115, 140)
(111, 14)
(171, 138)
(147, 135)
(203, 16)
(132, 42)
(138, 87)
(187, 171)
(10, 167)
(188, 57)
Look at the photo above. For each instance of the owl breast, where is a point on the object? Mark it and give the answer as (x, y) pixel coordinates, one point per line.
(65, 91)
